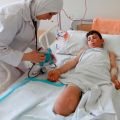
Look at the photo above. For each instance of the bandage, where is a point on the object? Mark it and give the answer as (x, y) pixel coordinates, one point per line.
(114, 71)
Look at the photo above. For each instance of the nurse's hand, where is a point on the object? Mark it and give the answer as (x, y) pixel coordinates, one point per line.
(33, 56)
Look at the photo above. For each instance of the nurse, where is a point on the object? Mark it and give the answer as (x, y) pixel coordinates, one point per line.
(17, 32)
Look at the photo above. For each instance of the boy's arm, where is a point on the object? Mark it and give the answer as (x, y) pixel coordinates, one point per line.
(114, 70)
(54, 75)
(70, 64)
(113, 67)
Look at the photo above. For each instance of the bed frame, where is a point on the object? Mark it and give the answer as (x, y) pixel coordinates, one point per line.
(82, 24)
(84, 27)
(47, 37)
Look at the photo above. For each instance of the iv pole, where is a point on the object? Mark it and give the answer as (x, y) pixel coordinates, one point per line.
(59, 19)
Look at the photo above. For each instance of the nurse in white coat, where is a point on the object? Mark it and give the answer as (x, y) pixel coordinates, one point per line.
(17, 32)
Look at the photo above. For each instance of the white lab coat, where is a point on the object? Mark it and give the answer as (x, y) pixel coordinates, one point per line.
(17, 31)
(16, 34)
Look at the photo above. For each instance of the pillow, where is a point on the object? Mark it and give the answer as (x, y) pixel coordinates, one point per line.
(72, 45)
(77, 40)
(112, 43)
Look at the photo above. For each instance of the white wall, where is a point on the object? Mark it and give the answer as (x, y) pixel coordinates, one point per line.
(75, 9)
(5, 1)
(95, 8)
(103, 8)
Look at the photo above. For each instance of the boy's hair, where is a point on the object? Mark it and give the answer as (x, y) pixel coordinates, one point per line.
(94, 32)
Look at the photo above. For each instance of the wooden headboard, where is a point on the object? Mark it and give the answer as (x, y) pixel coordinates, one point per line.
(84, 27)
(104, 26)
(82, 24)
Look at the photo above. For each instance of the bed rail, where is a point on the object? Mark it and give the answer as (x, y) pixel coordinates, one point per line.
(47, 37)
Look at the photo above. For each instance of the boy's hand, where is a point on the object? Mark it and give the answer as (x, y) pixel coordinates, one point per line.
(53, 75)
(117, 84)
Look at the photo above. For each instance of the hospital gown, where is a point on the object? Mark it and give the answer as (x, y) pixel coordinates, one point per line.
(91, 71)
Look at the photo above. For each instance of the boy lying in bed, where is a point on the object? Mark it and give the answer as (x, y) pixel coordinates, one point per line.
(94, 66)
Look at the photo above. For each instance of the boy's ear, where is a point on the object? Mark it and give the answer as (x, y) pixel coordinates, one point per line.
(103, 40)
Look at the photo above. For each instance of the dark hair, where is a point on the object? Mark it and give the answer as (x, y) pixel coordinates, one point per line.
(94, 32)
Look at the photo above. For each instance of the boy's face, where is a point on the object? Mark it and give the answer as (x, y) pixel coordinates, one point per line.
(94, 41)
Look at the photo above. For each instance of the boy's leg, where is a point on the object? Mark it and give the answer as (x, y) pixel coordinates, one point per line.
(67, 102)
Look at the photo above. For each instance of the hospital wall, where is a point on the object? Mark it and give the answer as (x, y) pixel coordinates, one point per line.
(95, 8)
(6, 2)
(75, 9)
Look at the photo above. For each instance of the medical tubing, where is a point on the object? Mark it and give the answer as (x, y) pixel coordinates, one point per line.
(36, 47)
(30, 71)
(35, 26)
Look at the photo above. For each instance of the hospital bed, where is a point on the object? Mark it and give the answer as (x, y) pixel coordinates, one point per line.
(34, 99)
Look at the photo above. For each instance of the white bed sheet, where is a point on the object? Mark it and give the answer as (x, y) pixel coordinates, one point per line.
(34, 101)
(30, 95)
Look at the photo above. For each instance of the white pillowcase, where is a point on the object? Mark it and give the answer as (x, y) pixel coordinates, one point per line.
(112, 43)
(78, 39)
(71, 46)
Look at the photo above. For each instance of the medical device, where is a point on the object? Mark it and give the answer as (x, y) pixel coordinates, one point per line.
(49, 58)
